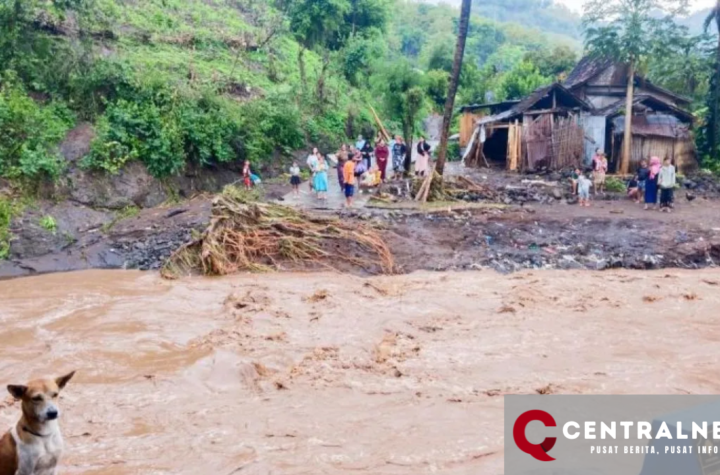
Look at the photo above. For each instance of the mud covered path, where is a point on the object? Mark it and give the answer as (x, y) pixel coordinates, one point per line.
(326, 373)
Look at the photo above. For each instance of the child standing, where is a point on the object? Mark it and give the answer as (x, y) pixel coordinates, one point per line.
(295, 178)
(247, 175)
(667, 181)
(584, 184)
(574, 177)
(349, 180)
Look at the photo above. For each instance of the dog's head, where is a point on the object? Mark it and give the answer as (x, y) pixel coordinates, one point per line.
(40, 397)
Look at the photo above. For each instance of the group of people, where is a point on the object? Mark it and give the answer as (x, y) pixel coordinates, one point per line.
(355, 166)
(652, 182)
(658, 180)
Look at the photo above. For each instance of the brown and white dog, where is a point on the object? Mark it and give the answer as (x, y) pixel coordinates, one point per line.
(34, 445)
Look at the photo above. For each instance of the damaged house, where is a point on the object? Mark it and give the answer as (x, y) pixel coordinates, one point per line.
(541, 131)
(661, 123)
(561, 126)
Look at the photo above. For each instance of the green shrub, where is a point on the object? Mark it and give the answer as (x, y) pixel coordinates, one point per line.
(48, 223)
(270, 124)
(615, 185)
(137, 130)
(29, 135)
(453, 151)
(7, 212)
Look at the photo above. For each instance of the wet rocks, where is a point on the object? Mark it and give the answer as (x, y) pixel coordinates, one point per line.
(151, 252)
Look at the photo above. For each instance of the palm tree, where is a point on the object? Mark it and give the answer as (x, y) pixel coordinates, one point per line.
(454, 80)
(712, 123)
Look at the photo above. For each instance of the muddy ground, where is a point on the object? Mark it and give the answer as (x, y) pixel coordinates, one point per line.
(523, 226)
(335, 374)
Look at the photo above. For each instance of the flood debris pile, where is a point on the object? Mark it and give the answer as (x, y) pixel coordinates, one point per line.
(253, 236)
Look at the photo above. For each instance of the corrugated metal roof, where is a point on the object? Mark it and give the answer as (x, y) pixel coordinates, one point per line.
(657, 125)
(652, 102)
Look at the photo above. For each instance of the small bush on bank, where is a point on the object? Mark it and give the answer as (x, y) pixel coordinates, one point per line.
(30, 134)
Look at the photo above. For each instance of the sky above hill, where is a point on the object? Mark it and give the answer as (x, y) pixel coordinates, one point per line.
(695, 4)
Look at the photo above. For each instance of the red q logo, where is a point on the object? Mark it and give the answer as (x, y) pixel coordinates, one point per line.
(538, 451)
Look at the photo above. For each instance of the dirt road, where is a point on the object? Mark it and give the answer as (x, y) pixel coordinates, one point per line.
(333, 374)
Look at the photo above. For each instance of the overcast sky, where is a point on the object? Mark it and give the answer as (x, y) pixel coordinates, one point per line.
(696, 4)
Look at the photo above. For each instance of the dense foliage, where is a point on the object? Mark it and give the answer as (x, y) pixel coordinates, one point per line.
(179, 83)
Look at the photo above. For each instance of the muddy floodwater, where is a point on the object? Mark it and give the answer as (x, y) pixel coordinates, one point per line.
(332, 374)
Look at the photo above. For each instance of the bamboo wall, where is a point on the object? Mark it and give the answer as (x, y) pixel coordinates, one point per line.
(681, 151)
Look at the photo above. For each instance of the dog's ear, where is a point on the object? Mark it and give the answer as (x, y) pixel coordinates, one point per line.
(17, 391)
(63, 380)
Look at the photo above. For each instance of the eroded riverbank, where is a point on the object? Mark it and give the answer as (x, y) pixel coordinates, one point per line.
(321, 373)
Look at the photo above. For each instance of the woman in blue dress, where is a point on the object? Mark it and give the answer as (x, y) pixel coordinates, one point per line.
(320, 180)
(651, 184)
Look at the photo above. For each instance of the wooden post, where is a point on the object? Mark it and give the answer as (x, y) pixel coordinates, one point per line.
(627, 141)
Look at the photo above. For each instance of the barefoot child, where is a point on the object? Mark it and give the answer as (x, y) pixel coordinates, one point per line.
(349, 179)
(295, 178)
(584, 185)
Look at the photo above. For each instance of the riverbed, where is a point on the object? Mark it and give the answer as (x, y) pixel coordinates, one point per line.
(331, 374)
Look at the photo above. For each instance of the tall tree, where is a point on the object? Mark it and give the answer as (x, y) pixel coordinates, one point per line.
(404, 97)
(317, 24)
(628, 31)
(454, 80)
(712, 127)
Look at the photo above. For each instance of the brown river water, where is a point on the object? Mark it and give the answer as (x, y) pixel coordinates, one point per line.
(333, 374)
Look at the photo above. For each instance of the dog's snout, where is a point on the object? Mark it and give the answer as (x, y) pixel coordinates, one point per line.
(52, 414)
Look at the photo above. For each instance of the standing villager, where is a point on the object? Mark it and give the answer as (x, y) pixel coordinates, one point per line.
(342, 157)
(398, 157)
(667, 180)
(423, 159)
(574, 177)
(321, 178)
(295, 178)
(381, 157)
(349, 179)
(312, 162)
(367, 151)
(583, 185)
(600, 173)
(360, 142)
(651, 184)
(247, 175)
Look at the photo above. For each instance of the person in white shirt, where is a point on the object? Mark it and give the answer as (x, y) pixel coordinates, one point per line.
(667, 180)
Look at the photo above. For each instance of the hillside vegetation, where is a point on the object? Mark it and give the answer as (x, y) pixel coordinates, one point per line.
(176, 83)
(192, 83)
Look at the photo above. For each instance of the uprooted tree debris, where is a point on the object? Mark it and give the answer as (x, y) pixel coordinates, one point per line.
(251, 236)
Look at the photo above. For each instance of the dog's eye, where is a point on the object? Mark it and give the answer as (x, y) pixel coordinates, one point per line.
(55, 395)
(37, 398)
